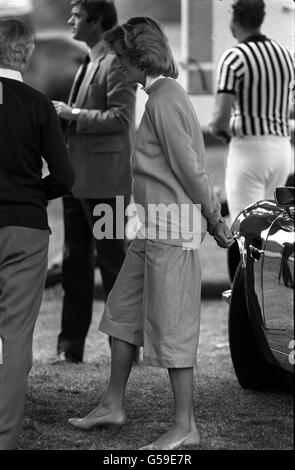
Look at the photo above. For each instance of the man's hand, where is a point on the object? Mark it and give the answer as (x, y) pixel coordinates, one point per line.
(222, 135)
(222, 235)
(64, 111)
(219, 126)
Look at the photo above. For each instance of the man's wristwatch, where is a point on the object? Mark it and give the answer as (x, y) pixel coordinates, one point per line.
(76, 112)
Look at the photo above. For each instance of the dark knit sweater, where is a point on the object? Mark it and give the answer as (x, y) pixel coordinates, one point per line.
(30, 130)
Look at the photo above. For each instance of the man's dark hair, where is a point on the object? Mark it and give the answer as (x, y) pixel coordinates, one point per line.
(104, 10)
(249, 13)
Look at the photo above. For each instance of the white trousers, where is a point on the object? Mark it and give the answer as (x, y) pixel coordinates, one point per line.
(255, 166)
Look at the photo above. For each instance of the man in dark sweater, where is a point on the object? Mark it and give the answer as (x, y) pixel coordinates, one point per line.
(29, 130)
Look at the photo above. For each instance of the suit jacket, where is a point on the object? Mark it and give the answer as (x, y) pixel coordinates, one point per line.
(100, 142)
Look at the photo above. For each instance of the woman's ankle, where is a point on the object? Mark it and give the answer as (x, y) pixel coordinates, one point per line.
(112, 404)
(184, 426)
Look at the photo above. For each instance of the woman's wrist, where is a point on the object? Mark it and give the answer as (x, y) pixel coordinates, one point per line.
(212, 227)
(220, 221)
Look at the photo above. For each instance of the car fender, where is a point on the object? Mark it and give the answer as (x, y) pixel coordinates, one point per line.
(250, 230)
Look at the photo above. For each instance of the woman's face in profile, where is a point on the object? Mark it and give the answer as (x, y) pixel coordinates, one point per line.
(132, 73)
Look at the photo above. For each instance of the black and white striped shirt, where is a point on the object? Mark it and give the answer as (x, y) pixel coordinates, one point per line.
(260, 73)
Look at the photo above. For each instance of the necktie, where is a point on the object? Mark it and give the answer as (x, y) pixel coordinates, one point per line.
(80, 79)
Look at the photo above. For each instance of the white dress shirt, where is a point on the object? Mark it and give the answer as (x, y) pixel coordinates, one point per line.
(13, 74)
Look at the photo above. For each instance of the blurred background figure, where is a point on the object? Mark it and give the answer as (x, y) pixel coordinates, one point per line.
(53, 46)
(53, 49)
(21, 9)
(252, 109)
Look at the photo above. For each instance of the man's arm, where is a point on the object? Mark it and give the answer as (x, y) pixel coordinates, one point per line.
(219, 126)
(118, 116)
(230, 72)
(119, 113)
(61, 173)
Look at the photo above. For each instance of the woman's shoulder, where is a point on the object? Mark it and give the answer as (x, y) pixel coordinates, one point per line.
(167, 84)
(166, 90)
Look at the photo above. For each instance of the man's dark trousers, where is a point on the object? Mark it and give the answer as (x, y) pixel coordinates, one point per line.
(82, 252)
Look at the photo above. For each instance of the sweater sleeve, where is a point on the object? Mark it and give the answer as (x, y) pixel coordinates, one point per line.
(172, 126)
(53, 148)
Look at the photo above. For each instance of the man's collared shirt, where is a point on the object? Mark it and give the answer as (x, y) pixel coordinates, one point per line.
(96, 51)
(13, 74)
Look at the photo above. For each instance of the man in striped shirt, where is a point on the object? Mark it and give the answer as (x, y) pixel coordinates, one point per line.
(252, 109)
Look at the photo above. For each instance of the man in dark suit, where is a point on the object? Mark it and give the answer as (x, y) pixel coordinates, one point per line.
(100, 116)
(29, 130)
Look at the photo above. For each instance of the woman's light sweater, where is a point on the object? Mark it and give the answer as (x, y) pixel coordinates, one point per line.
(168, 165)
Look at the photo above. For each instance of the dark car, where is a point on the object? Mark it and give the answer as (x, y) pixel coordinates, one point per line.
(261, 271)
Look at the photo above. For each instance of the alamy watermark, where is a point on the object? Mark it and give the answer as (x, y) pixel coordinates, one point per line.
(173, 222)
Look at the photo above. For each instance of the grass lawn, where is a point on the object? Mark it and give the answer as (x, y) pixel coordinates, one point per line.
(228, 416)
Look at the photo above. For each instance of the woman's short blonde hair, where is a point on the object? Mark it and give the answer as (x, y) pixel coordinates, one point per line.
(145, 44)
